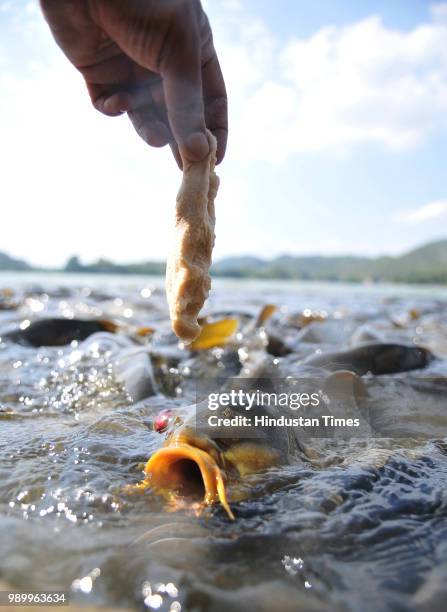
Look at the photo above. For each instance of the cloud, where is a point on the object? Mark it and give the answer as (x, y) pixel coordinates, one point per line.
(427, 212)
(364, 83)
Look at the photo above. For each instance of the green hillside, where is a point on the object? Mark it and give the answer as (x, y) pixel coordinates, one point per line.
(424, 264)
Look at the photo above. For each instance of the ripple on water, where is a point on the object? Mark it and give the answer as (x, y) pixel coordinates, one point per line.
(359, 526)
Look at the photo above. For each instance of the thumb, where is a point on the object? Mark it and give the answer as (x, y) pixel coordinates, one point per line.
(182, 85)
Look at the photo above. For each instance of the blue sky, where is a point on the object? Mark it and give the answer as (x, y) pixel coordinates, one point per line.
(303, 18)
(338, 137)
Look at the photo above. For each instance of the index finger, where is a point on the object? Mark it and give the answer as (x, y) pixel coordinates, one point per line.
(182, 85)
(216, 106)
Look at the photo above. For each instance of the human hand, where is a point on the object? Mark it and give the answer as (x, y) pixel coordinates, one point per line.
(153, 59)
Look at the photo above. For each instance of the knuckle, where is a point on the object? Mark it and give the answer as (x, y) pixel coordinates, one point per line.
(182, 32)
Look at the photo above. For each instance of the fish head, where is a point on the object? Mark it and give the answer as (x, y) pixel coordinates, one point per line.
(191, 467)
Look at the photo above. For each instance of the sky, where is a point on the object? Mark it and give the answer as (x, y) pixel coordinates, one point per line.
(338, 138)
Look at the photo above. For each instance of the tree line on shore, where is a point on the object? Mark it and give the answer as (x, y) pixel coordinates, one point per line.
(425, 264)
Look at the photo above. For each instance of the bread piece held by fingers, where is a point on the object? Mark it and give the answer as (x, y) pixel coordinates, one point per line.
(187, 278)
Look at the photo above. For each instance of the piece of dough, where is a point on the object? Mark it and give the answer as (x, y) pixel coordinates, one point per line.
(187, 279)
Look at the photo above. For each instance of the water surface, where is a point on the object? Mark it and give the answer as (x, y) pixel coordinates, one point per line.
(364, 527)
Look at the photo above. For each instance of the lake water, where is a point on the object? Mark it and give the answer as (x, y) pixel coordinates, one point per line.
(352, 524)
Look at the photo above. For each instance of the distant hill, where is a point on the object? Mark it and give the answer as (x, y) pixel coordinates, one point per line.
(9, 263)
(104, 266)
(238, 266)
(425, 264)
(291, 267)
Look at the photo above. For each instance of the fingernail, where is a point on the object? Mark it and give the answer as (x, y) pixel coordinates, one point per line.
(196, 146)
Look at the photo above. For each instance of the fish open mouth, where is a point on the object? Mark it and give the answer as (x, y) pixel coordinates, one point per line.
(188, 471)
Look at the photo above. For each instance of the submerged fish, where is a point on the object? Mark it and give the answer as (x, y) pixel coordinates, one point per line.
(375, 359)
(58, 332)
(214, 334)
